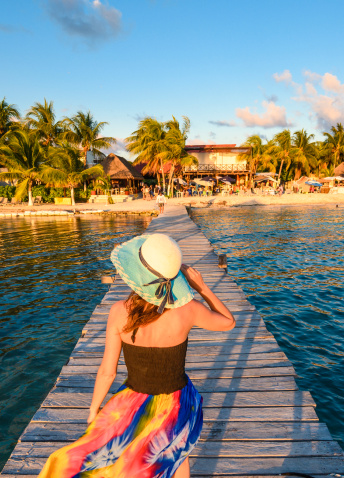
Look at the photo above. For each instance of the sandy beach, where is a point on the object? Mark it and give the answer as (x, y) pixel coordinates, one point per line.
(140, 206)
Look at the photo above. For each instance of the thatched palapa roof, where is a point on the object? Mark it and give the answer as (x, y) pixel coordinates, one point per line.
(339, 171)
(119, 168)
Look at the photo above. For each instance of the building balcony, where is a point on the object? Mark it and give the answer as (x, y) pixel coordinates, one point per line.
(223, 168)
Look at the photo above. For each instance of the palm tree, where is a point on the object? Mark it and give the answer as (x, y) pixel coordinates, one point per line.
(334, 145)
(8, 116)
(84, 132)
(25, 159)
(41, 119)
(268, 158)
(67, 170)
(174, 143)
(304, 153)
(281, 149)
(255, 155)
(148, 142)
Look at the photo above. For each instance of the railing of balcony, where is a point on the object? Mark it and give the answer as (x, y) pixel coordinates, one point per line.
(228, 168)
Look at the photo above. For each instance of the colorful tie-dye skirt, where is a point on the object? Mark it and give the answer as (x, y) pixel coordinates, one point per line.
(135, 435)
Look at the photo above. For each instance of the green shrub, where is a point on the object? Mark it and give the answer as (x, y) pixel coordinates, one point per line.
(7, 191)
(81, 194)
(41, 191)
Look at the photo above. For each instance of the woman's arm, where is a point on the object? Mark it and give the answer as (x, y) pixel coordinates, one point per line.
(218, 317)
(108, 368)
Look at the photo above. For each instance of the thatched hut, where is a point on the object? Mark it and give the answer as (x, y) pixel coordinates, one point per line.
(339, 171)
(122, 173)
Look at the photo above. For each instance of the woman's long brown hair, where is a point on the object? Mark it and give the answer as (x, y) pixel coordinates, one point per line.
(140, 313)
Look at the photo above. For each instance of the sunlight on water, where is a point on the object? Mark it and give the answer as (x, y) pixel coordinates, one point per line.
(50, 284)
(290, 263)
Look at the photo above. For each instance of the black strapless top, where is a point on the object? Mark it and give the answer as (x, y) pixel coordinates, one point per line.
(155, 370)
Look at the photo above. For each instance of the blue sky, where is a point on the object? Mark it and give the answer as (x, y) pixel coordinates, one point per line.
(235, 68)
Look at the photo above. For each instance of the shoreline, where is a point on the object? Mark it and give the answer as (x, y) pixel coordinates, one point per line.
(149, 208)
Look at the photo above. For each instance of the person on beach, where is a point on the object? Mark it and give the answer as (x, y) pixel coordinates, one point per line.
(151, 424)
(147, 193)
(151, 192)
(156, 190)
(161, 201)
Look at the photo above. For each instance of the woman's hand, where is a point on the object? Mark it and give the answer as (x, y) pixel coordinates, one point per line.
(92, 415)
(193, 277)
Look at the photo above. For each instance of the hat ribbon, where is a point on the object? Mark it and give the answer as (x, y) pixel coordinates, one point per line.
(164, 288)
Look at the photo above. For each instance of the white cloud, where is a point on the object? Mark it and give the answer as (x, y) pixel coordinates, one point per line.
(229, 123)
(325, 108)
(284, 77)
(273, 116)
(287, 79)
(119, 147)
(91, 21)
(331, 83)
(311, 76)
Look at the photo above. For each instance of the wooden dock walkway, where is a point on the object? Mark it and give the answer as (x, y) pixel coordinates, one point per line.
(257, 423)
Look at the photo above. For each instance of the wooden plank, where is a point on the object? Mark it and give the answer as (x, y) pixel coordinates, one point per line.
(216, 399)
(222, 465)
(264, 358)
(250, 414)
(212, 431)
(198, 348)
(197, 374)
(243, 333)
(231, 466)
(210, 449)
(203, 385)
(72, 368)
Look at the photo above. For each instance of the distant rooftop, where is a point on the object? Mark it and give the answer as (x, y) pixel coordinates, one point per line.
(229, 148)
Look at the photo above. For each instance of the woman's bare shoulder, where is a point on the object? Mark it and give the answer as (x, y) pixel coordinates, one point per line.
(118, 315)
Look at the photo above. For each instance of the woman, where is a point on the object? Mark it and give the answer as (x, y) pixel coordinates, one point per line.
(152, 423)
(161, 201)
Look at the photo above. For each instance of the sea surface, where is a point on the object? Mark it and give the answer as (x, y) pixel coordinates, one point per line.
(49, 286)
(290, 263)
(288, 260)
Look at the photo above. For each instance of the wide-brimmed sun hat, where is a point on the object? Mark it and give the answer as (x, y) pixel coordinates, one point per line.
(150, 265)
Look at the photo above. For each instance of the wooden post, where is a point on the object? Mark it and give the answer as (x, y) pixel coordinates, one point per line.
(107, 280)
(223, 261)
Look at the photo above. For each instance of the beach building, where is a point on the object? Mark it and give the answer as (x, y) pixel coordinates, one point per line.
(218, 160)
(122, 173)
(3, 182)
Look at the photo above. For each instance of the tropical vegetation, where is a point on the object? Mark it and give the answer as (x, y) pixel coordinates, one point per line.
(39, 150)
(293, 155)
(160, 143)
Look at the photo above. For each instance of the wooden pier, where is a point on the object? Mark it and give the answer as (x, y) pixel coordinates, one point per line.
(257, 423)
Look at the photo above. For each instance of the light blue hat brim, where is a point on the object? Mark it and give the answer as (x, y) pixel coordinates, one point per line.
(125, 258)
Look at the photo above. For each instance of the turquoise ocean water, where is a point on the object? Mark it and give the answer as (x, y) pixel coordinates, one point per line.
(290, 263)
(49, 286)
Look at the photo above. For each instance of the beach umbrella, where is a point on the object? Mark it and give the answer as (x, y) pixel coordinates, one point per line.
(227, 179)
(313, 183)
(333, 178)
(201, 182)
(208, 178)
(180, 181)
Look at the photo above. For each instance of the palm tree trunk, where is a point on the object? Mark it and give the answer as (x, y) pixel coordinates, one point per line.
(280, 170)
(72, 195)
(163, 175)
(170, 185)
(85, 151)
(30, 203)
